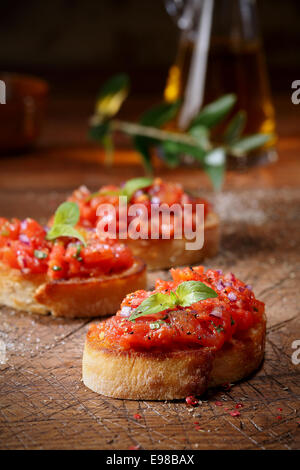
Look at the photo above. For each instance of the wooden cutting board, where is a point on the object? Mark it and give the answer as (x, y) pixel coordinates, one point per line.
(44, 404)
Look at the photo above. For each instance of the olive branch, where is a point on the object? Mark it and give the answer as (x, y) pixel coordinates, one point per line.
(196, 141)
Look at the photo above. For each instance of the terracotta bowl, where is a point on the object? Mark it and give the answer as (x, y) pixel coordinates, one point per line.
(21, 117)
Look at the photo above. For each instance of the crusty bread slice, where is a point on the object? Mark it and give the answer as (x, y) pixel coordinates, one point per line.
(163, 254)
(75, 297)
(174, 375)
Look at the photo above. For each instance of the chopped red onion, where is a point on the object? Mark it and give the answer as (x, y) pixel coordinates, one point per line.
(125, 311)
(216, 312)
(231, 296)
(155, 200)
(228, 284)
(24, 224)
(24, 239)
(219, 271)
(220, 284)
(249, 287)
(241, 289)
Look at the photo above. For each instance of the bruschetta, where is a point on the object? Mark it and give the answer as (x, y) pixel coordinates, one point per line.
(160, 252)
(200, 330)
(64, 276)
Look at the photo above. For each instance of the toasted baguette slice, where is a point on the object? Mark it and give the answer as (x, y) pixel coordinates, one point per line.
(163, 254)
(76, 297)
(174, 375)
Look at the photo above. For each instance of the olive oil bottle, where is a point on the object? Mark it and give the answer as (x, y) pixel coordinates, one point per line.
(234, 63)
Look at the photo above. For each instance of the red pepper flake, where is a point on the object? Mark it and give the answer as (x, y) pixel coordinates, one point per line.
(279, 417)
(239, 405)
(218, 403)
(191, 400)
(198, 428)
(196, 422)
(226, 409)
(279, 409)
(137, 447)
(235, 413)
(137, 416)
(226, 386)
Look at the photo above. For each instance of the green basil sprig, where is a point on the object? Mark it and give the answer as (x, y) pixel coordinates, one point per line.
(65, 218)
(133, 185)
(186, 294)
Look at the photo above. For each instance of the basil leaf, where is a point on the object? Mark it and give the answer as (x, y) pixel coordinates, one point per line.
(67, 214)
(235, 127)
(190, 292)
(130, 187)
(63, 230)
(214, 165)
(244, 145)
(153, 304)
(133, 185)
(102, 193)
(186, 294)
(214, 112)
(112, 95)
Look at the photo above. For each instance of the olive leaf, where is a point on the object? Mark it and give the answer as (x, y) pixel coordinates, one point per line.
(177, 148)
(214, 165)
(214, 112)
(201, 135)
(156, 116)
(112, 95)
(235, 127)
(246, 144)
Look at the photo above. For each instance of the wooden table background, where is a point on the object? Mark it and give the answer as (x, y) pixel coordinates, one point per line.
(43, 403)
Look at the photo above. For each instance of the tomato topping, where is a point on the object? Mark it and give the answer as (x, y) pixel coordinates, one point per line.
(160, 193)
(207, 323)
(23, 246)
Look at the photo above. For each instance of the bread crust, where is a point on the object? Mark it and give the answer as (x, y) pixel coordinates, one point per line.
(163, 254)
(75, 297)
(168, 376)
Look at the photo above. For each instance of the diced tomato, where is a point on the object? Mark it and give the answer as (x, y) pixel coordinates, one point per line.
(160, 193)
(23, 246)
(207, 323)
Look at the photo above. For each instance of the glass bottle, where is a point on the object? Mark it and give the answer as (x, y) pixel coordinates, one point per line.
(220, 51)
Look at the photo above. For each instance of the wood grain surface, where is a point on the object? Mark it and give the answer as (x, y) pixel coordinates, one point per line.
(44, 404)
